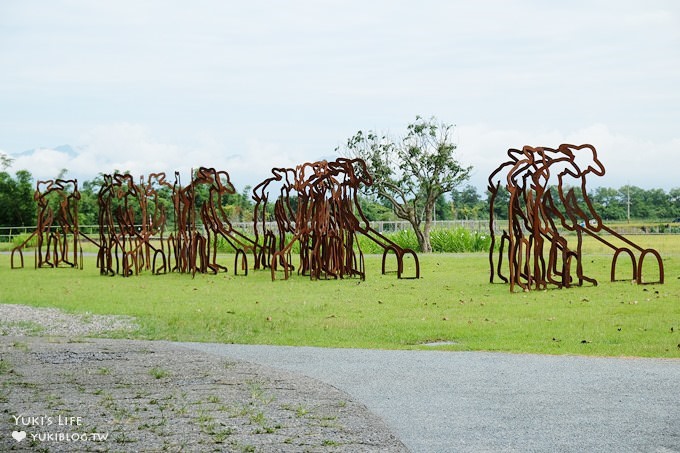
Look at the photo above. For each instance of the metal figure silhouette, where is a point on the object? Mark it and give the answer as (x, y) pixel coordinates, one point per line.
(316, 207)
(133, 218)
(56, 226)
(548, 204)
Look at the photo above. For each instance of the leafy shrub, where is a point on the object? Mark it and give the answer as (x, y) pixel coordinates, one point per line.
(368, 247)
(459, 240)
(224, 246)
(20, 238)
(405, 238)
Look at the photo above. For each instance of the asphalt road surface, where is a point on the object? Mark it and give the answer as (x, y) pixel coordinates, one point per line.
(437, 401)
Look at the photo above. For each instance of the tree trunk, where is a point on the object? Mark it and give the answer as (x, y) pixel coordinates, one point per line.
(423, 235)
(426, 245)
(419, 236)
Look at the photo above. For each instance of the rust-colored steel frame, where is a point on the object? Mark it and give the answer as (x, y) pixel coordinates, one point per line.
(315, 206)
(540, 203)
(53, 229)
(324, 220)
(132, 222)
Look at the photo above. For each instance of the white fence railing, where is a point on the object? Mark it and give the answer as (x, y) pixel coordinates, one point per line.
(8, 233)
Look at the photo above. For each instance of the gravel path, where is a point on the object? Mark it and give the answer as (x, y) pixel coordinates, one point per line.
(25, 320)
(151, 396)
(64, 392)
(438, 401)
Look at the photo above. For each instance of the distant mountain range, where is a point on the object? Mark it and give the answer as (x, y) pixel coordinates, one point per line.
(68, 150)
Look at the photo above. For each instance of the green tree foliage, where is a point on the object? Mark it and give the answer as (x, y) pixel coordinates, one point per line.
(239, 206)
(674, 203)
(500, 208)
(468, 204)
(17, 207)
(375, 208)
(443, 209)
(5, 161)
(88, 207)
(412, 172)
(608, 203)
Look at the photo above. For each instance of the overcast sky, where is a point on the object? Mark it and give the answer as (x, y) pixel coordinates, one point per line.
(152, 86)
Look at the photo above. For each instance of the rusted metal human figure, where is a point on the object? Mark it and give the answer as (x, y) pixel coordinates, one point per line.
(185, 224)
(216, 221)
(107, 229)
(117, 229)
(200, 223)
(53, 230)
(128, 228)
(310, 220)
(530, 222)
(324, 222)
(356, 175)
(327, 246)
(271, 226)
(153, 222)
(532, 177)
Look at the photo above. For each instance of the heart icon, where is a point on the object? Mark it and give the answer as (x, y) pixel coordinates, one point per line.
(19, 435)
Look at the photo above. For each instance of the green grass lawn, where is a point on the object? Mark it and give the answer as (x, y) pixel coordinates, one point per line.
(452, 302)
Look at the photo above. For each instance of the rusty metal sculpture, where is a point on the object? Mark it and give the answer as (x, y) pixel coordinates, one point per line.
(281, 218)
(541, 201)
(54, 230)
(327, 249)
(132, 222)
(131, 225)
(322, 220)
(356, 174)
(315, 206)
(198, 249)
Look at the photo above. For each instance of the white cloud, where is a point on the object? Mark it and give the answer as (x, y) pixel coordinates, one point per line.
(248, 85)
(43, 163)
(627, 159)
(133, 148)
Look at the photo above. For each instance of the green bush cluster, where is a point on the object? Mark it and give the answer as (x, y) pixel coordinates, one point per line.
(443, 240)
(20, 238)
(458, 240)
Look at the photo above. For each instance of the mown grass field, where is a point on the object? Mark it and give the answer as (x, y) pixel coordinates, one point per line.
(452, 303)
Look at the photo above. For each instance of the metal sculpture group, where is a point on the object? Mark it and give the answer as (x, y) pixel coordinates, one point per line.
(544, 211)
(323, 221)
(133, 218)
(315, 206)
(127, 226)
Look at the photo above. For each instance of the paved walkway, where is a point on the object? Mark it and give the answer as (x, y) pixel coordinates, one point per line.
(486, 402)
